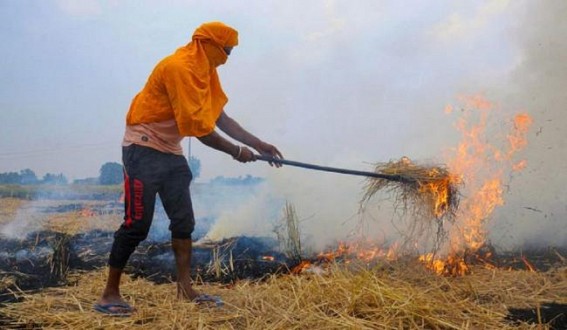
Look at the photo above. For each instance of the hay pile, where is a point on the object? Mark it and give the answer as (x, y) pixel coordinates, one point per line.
(388, 296)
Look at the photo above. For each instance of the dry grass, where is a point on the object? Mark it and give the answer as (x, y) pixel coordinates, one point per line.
(288, 234)
(70, 222)
(393, 296)
(8, 208)
(75, 222)
(6, 280)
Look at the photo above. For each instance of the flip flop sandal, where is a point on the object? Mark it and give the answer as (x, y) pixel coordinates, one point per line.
(114, 309)
(205, 298)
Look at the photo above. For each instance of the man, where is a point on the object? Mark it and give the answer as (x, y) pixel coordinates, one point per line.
(182, 97)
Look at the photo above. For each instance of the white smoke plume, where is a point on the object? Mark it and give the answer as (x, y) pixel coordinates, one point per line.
(27, 219)
(383, 98)
(536, 210)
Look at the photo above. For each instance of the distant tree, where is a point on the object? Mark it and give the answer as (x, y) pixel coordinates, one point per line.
(111, 173)
(10, 178)
(28, 176)
(50, 178)
(195, 166)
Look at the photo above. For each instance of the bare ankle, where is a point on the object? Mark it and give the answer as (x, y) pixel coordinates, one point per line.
(185, 291)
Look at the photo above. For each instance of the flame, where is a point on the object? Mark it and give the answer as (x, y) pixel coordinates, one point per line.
(302, 266)
(517, 140)
(346, 252)
(439, 190)
(361, 250)
(453, 266)
(482, 165)
(480, 162)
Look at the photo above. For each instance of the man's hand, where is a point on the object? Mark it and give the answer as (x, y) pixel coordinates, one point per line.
(269, 150)
(244, 155)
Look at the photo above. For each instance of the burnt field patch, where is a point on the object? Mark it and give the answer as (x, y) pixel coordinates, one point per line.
(45, 258)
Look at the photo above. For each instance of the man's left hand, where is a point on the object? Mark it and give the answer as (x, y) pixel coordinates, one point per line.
(269, 150)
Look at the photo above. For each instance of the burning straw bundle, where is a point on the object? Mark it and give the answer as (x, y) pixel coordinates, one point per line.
(424, 191)
(428, 191)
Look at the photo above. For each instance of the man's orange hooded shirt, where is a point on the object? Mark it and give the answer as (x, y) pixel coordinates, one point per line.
(185, 86)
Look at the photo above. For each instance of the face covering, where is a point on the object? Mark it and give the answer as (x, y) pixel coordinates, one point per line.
(213, 37)
(215, 53)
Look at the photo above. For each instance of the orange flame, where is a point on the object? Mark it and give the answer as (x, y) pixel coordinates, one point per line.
(482, 166)
(439, 191)
(452, 266)
(303, 265)
(361, 250)
(517, 139)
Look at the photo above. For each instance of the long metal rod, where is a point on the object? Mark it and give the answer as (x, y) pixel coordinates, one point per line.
(391, 177)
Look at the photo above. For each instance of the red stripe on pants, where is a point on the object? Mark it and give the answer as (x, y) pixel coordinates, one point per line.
(138, 199)
(127, 199)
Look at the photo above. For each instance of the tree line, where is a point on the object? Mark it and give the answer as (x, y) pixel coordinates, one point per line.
(110, 173)
(28, 177)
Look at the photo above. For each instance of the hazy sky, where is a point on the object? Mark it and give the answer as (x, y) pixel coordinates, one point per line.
(320, 79)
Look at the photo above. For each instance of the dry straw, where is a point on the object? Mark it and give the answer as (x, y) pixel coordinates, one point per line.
(427, 194)
(428, 191)
(389, 296)
(288, 233)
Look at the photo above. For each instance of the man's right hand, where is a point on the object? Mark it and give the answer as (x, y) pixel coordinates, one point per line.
(244, 154)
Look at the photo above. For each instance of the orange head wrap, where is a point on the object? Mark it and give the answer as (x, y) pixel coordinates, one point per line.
(213, 37)
(218, 32)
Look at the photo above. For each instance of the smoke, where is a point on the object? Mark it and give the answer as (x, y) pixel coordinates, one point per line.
(28, 219)
(325, 203)
(358, 88)
(255, 216)
(535, 210)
